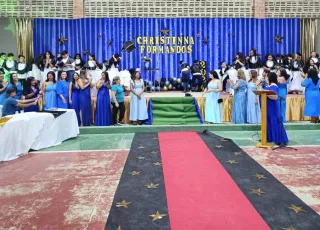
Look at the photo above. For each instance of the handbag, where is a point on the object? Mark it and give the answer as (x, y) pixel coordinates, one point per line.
(220, 100)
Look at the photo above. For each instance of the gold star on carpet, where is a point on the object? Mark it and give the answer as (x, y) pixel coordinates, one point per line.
(123, 204)
(85, 52)
(155, 138)
(297, 209)
(198, 35)
(119, 228)
(152, 185)
(257, 191)
(232, 161)
(222, 139)
(141, 158)
(62, 39)
(289, 228)
(134, 173)
(141, 147)
(100, 35)
(219, 146)
(109, 42)
(205, 41)
(278, 38)
(154, 152)
(237, 153)
(260, 176)
(164, 32)
(157, 164)
(157, 216)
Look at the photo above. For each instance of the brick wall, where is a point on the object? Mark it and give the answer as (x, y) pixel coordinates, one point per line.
(78, 8)
(259, 8)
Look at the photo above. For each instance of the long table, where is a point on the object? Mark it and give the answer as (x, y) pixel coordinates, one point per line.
(35, 131)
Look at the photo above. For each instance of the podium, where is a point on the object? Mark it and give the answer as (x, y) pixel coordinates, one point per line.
(264, 94)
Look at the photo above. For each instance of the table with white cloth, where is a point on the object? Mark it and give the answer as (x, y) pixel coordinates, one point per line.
(35, 131)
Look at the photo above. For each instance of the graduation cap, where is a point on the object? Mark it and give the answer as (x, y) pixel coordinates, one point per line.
(128, 47)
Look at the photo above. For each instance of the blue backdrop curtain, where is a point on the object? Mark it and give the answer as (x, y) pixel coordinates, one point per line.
(225, 37)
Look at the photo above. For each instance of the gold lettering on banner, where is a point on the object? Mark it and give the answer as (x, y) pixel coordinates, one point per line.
(165, 45)
(203, 71)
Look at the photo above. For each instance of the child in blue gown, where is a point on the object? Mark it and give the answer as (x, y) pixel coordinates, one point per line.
(213, 109)
(74, 91)
(31, 90)
(253, 107)
(103, 111)
(63, 91)
(49, 87)
(239, 110)
(275, 129)
(312, 95)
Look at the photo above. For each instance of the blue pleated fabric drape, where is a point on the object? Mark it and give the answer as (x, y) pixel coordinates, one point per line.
(225, 37)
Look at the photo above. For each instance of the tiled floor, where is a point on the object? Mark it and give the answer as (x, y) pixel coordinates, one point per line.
(95, 142)
(74, 188)
(123, 141)
(298, 170)
(59, 190)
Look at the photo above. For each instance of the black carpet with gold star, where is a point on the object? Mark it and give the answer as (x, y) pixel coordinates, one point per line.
(278, 206)
(140, 201)
(141, 189)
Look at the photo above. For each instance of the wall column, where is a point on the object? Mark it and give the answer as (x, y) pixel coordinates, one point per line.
(259, 8)
(78, 9)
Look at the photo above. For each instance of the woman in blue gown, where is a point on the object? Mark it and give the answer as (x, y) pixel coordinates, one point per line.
(3, 88)
(213, 109)
(138, 105)
(239, 110)
(312, 95)
(74, 91)
(49, 87)
(103, 109)
(253, 107)
(282, 87)
(85, 98)
(31, 90)
(275, 129)
(63, 91)
(14, 82)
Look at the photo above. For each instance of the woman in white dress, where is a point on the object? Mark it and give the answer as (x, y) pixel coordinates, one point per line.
(296, 67)
(36, 68)
(138, 105)
(113, 70)
(48, 64)
(93, 68)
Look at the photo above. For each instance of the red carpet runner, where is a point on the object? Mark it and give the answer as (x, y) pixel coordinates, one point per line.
(200, 193)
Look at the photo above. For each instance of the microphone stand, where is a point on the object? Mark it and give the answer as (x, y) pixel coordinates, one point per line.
(282, 146)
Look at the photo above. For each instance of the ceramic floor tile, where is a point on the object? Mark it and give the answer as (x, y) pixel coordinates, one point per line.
(95, 142)
(59, 190)
(297, 169)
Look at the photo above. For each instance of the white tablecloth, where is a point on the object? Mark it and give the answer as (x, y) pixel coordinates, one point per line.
(35, 131)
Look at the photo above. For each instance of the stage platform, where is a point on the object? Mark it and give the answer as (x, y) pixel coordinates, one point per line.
(294, 112)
